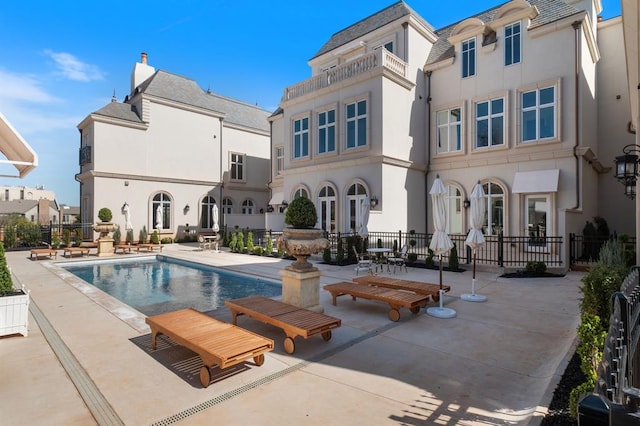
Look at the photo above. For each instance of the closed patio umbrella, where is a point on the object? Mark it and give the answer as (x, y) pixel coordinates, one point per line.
(440, 241)
(363, 231)
(214, 215)
(475, 238)
(127, 217)
(159, 218)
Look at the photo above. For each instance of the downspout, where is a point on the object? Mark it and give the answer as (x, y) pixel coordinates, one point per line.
(405, 26)
(221, 181)
(428, 159)
(576, 26)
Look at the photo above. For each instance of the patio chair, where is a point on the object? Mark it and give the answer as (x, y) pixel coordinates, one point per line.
(399, 259)
(364, 262)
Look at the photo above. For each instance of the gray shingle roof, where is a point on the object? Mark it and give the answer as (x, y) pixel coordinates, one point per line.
(120, 111)
(17, 206)
(550, 11)
(184, 90)
(371, 23)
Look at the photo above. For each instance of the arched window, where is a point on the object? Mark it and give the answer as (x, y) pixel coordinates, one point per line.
(161, 219)
(355, 193)
(327, 209)
(454, 210)
(247, 207)
(227, 206)
(301, 192)
(494, 219)
(206, 212)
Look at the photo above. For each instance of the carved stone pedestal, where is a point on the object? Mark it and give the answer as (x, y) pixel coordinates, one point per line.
(301, 289)
(105, 246)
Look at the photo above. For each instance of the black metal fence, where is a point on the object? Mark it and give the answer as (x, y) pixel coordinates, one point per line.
(586, 248)
(617, 396)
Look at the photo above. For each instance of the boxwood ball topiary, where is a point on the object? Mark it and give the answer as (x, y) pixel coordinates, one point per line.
(105, 214)
(301, 213)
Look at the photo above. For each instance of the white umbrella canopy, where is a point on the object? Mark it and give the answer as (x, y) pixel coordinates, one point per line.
(214, 215)
(364, 217)
(440, 241)
(127, 217)
(159, 217)
(475, 238)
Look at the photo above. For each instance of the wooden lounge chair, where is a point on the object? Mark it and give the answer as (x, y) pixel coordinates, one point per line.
(124, 248)
(149, 247)
(428, 289)
(38, 252)
(395, 298)
(217, 343)
(70, 251)
(294, 321)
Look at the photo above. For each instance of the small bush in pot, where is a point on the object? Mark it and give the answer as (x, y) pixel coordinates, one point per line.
(301, 213)
(6, 283)
(105, 215)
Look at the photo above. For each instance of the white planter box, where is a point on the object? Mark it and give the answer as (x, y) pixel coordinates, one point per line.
(14, 314)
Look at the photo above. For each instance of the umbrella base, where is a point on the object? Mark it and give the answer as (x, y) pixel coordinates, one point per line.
(439, 312)
(473, 298)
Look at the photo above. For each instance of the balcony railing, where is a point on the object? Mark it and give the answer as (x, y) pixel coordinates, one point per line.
(378, 59)
(85, 155)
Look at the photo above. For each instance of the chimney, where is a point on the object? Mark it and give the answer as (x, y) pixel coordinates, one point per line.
(143, 56)
(141, 72)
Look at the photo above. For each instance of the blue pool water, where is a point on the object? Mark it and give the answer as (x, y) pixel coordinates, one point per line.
(157, 285)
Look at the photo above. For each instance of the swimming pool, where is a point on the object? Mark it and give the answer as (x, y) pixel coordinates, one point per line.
(155, 285)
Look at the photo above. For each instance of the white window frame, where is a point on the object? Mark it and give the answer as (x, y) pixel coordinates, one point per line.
(279, 159)
(327, 208)
(304, 135)
(535, 241)
(206, 213)
(449, 127)
(454, 209)
(510, 42)
(468, 49)
(490, 118)
(352, 205)
(247, 207)
(356, 120)
(227, 205)
(166, 201)
(492, 227)
(237, 162)
(327, 127)
(536, 109)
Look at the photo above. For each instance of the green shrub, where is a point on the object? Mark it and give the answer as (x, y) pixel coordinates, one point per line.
(233, 242)
(29, 233)
(269, 250)
(326, 255)
(105, 215)
(250, 246)
(240, 242)
(628, 250)
(130, 236)
(340, 252)
(66, 237)
(155, 239)
(6, 283)
(576, 393)
(429, 259)
(55, 240)
(117, 236)
(167, 240)
(258, 250)
(301, 213)
(412, 257)
(454, 263)
(10, 236)
(144, 235)
(536, 267)
(598, 285)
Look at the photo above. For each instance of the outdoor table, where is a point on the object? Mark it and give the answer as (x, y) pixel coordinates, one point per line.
(382, 259)
(212, 240)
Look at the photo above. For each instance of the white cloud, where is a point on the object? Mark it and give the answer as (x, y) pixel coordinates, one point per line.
(73, 68)
(23, 88)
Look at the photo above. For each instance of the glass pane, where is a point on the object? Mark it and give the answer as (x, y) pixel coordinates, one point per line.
(351, 110)
(497, 106)
(305, 144)
(443, 143)
(330, 192)
(546, 123)
(351, 190)
(455, 115)
(546, 95)
(528, 125)
(362, 132)
(482, 130)
(456, 137)
(322, 118)
(497, 130)
(331, 139)
(351, 134)
(495, 189)
(528, 99)
(442, 117)
(362, 108)
(482, 109)
(516, 47)
(305, 124)
(296, 146)
(332, 116)
(322, 140)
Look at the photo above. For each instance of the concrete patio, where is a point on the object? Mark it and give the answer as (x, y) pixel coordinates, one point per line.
(498, 362)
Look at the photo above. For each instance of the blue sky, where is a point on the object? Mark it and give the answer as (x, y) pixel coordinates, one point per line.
(62, 60)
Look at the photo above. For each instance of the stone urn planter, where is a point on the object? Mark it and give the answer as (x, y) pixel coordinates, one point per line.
(104, 227)
(301, 280)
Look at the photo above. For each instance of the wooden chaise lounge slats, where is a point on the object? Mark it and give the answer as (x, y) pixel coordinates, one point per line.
(428, 289)
(124, 248)
(149, 247)
(395, 298)
(294, 321)
(37, 252)
(70, 251)
(217, 343)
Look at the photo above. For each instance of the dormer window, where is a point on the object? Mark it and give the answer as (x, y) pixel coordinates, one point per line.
(512, 44)
(469, 57)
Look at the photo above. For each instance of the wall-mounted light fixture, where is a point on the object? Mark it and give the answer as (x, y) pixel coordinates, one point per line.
(284, 203)
(126, 183)
(373, 202)
(466, 203)
(627, 169)
(187, 208)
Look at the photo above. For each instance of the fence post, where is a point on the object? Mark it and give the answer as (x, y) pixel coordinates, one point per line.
(399, 239)
(500, 249)
(572, 250)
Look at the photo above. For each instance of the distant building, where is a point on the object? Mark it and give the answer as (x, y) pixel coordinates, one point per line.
(170, 152)
(35, 204)
(69, 214)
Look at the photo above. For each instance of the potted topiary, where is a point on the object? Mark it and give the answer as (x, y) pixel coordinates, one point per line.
(14, 304)
(301, 239)
(105, 243)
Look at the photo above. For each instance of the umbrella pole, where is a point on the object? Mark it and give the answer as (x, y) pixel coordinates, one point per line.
(440, 311)
(473, 297)
(473, 281)
(441, 292)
